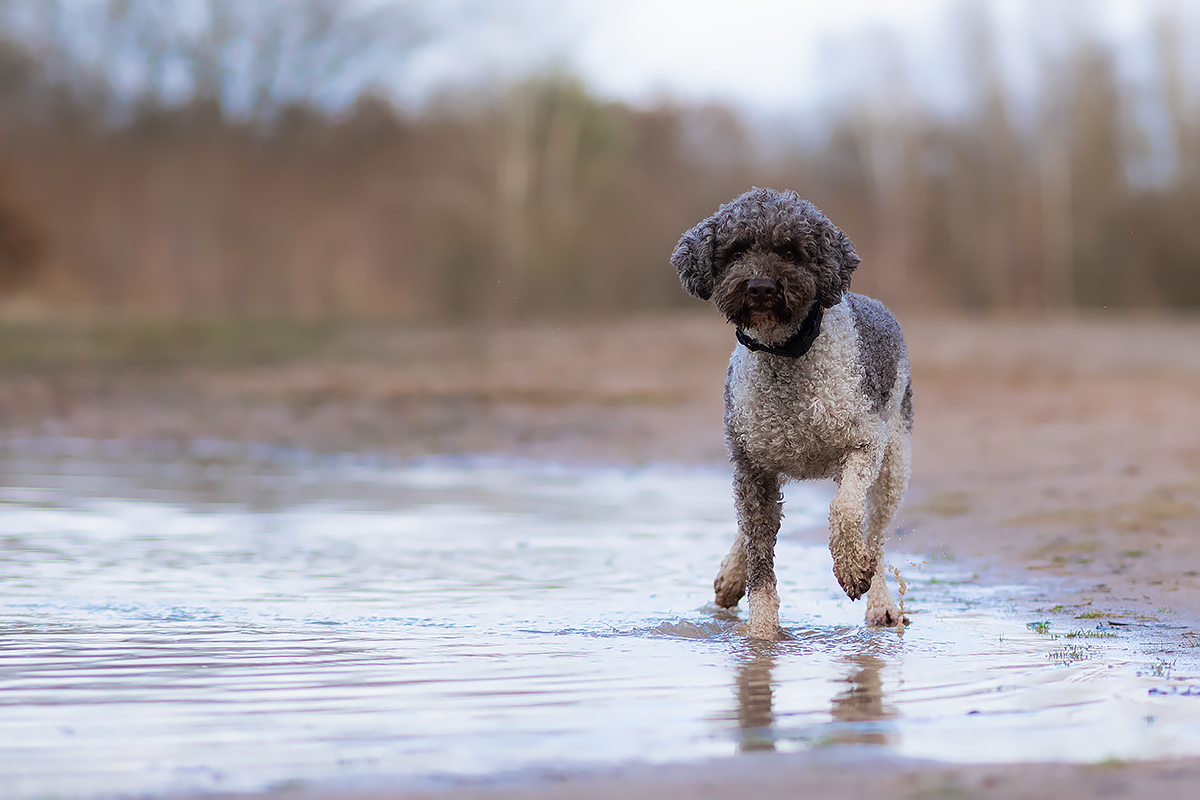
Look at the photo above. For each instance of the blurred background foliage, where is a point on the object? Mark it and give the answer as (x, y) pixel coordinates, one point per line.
(217, 160)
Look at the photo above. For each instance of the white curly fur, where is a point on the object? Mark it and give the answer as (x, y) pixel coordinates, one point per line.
(807, 418)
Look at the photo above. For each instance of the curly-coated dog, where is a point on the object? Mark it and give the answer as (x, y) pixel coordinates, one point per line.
(818, 387)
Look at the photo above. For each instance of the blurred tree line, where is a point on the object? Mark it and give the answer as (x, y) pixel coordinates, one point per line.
(217, 158)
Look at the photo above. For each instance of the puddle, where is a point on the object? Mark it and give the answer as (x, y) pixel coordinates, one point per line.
(204, 620)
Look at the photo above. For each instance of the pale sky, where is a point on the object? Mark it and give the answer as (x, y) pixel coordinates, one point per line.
(767, 53)
(772, 56)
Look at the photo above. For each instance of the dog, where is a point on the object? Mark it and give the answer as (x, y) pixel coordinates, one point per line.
(818, 387)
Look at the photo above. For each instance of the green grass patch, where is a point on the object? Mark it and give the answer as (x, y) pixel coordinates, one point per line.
(1082, 634)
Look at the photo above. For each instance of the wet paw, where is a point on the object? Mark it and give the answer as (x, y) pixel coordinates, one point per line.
(765, 631)
(728, 591)
(854, 582)
(886, 616)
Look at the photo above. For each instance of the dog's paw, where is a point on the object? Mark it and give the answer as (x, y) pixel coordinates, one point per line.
(886, 616)
(763, 616)
(728, 590)
(765, 631)
(854, 579)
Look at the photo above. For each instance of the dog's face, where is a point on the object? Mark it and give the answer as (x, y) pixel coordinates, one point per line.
(764, 257)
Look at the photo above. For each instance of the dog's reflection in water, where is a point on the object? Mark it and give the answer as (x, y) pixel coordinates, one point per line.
(853, 709)
(862, 702)
(755, 697)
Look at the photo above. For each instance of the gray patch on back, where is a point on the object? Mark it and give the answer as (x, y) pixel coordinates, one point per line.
(906, 406)
(880, 347)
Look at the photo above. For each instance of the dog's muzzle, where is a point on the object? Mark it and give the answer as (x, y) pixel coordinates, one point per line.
(761, 292)
(763, 301)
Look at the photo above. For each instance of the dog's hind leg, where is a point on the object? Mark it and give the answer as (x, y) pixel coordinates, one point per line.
(730, 584)
(884, 500)
(759, 510)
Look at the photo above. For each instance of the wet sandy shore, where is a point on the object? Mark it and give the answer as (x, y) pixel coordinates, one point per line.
(1065, 452)
(845, 773)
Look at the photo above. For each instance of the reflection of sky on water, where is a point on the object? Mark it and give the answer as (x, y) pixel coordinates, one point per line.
(199, 622)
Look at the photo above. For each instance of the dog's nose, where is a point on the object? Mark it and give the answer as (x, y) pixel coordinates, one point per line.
(761, 289)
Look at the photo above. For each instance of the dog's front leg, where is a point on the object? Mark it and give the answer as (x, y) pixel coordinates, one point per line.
(756, 493)
(853, 562)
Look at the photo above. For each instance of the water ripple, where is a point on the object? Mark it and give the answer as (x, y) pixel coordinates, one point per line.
(222, 624)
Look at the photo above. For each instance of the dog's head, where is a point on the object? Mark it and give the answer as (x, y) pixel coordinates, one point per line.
(764, 257)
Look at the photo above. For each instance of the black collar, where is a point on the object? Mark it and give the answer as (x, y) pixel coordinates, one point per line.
(797, 344)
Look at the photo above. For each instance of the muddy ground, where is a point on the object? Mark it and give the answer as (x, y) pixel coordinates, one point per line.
(1062, 451)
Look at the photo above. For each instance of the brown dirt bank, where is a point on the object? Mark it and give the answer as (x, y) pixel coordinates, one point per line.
(846, 775)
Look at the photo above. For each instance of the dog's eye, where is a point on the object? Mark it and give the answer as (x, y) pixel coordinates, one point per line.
(736, 250)
(787, 253)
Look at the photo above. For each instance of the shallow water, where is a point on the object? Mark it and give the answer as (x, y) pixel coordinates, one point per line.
(229, 620)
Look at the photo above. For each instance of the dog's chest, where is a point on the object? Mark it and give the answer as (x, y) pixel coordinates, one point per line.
(799, 416)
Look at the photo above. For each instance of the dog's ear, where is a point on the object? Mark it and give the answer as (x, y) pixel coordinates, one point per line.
(843, 260)
(693, 257)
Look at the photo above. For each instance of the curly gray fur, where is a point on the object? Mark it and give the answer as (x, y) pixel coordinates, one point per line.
(842, 410)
